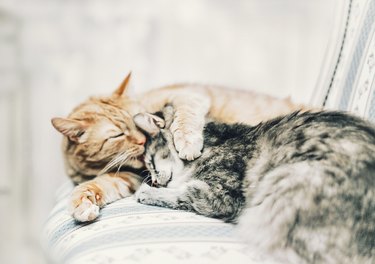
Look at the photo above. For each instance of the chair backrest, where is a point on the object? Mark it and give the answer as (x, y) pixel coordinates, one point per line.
(352, 83)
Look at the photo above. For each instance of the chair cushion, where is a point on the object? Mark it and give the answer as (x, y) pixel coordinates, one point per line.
(129, 232)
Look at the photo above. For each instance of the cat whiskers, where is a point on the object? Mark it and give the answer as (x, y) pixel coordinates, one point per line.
(119, 167)
(146, 179)
(119, 160)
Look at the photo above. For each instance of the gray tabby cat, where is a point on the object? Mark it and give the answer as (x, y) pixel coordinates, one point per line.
(301, 187)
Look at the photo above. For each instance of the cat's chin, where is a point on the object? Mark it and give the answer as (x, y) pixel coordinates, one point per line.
(136, 163)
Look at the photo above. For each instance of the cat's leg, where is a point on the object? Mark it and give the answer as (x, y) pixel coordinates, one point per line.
(175, 198)
(191, 108)
(182, 198)
(188, 124)
(195, 196)
(87, 198)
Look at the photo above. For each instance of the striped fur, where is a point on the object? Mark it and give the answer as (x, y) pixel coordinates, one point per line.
(301, 186)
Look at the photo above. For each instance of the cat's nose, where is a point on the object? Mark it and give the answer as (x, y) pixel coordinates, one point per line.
(155, 183)
(141, 140)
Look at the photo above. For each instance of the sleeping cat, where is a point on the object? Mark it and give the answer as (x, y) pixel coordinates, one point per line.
(100, 137)
(301, 186)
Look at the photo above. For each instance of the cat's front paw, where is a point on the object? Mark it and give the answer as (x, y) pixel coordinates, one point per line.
(188, 145)
(83, 204)
(143, 194)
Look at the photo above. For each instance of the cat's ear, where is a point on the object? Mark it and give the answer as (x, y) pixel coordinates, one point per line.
(125, 83)
(73, 129)
(168, 114)
(151, 124)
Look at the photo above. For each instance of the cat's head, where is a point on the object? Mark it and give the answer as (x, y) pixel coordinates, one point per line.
(161, 157)
(100, 133)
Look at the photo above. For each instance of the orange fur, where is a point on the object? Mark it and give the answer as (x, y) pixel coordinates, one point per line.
(227, 105)
(121, 89)
(89, 196)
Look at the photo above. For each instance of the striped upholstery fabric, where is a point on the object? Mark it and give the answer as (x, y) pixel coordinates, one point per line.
(128, 232)
(353, 84)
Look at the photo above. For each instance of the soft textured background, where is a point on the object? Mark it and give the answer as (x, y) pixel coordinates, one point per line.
(54, 54)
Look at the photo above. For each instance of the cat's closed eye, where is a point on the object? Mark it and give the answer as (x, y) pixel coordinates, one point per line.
(118, 135)
(149, 160)
(164, 155)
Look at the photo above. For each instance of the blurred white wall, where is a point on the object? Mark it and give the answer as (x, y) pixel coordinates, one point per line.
(54, 54)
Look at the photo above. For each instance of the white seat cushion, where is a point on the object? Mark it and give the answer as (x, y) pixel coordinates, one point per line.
(129, 232)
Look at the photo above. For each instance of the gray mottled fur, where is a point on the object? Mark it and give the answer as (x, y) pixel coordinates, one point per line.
(301, 187)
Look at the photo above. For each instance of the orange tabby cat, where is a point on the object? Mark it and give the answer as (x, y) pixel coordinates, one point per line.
(101, 138)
